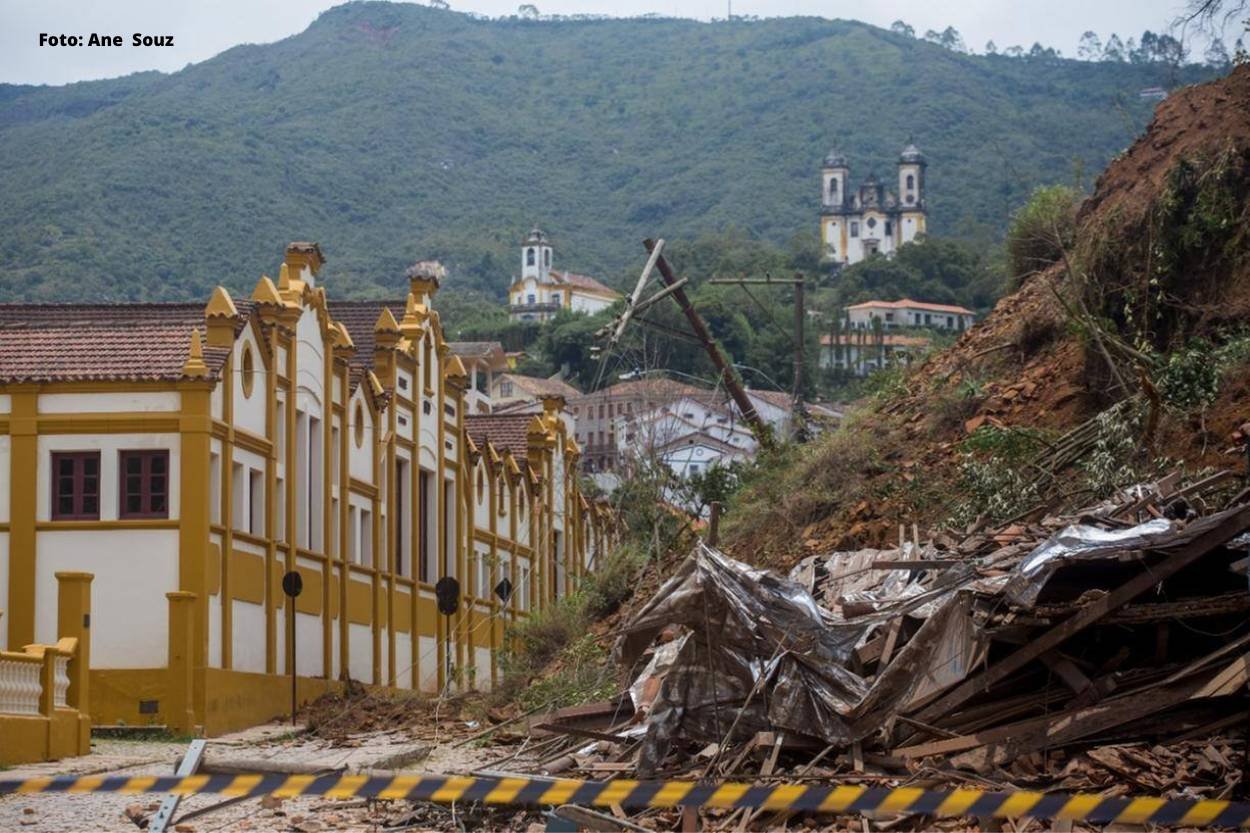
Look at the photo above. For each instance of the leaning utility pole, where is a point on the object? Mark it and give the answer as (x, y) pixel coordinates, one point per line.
(798, 334)
(728, 376)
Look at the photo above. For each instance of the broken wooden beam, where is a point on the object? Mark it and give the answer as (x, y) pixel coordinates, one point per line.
(1221, 528)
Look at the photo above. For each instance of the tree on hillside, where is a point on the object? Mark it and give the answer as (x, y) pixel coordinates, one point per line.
(1014, 52)
(948, 38)
(1113, 50)
(1089, 48)
(528, 11)
(990, 48)
(898, 27)
(439, 4)
(937, 270)
(1216, 54)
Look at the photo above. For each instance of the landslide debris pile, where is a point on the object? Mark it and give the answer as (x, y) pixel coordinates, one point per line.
(1106, 650)
(1145, 310)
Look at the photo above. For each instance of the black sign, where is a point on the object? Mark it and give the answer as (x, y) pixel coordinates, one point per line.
(504, 590)
(293, 584)
(447, 591)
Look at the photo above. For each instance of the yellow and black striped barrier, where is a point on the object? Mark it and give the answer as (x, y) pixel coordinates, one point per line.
(635, 794)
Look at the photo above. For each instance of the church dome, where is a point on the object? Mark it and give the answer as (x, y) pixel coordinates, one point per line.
(911, 153)
(536, 236)
(835, 159)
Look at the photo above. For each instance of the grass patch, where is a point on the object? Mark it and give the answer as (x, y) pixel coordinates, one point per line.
(551, 657)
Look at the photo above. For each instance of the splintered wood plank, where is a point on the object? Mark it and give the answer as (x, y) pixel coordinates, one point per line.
(1234, 521)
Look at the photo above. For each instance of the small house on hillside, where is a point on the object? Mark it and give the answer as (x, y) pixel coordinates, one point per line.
(909, 313)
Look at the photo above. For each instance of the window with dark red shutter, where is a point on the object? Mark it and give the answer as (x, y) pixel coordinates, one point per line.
(76, 485)
(144, 490)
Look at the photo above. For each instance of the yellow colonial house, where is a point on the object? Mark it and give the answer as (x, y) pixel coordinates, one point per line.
(189, 456)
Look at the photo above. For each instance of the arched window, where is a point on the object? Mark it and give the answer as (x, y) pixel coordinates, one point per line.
(833, 189)
(529, 257)
(911, 181)
(249, 371)
(547, 257)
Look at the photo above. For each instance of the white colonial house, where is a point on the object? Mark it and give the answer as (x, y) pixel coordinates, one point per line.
(689, 434)
(909, 313)
(871, 219)
(861, 352)
(190, 455)
(541, 291)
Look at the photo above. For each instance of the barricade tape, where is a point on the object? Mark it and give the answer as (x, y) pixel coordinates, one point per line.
(638, 794)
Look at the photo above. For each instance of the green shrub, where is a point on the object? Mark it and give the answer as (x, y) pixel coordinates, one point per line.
(1114, 461)
(560, 632)
(1041, 230)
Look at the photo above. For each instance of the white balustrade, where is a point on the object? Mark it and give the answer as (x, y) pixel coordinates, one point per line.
(60, 679)
(19, 686)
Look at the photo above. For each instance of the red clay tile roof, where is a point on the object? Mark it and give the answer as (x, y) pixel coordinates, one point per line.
(660, 390)
(90, 342)
(503, 431)
(907, 303)
(534, 386)
(583, 282)
(776, 398)
(359, 317)
(474, 349)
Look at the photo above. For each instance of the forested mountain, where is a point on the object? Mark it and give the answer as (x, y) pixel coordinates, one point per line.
(394, 132)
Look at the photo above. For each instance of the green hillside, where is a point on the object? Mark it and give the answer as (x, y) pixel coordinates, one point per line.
(396, 132)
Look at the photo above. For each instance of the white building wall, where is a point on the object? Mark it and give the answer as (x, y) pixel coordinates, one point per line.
(133, 569)
(307, 644)
(248, 650)
(360, 649)
(589, 304)
(132, 402)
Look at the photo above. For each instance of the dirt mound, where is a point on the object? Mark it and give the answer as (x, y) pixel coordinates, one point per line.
(1162, 256)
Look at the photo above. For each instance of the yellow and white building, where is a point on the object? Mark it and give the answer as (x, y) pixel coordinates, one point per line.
(872, 219)
(188, 456)
(541, 291)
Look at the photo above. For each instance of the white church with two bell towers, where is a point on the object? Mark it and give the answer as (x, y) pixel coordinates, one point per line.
(871, 219)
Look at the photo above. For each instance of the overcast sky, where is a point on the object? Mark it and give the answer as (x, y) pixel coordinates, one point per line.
(203, 29)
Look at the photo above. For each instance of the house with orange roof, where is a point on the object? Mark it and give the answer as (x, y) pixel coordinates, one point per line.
(909, 313)
(541, 291)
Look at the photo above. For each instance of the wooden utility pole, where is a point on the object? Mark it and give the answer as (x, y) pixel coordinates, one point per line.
(728, 376)
(798, 338)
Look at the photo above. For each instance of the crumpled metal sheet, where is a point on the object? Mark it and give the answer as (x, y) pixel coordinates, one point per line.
(1080, 542)
(762, 655)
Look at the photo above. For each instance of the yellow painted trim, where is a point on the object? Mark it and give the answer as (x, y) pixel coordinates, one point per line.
(99, 526)
(154, 422)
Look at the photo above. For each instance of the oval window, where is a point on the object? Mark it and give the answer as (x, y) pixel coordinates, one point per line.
(872, 222)
(359, 429)
(249, 371)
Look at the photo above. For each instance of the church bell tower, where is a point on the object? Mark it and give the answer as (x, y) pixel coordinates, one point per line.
(536, 256)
